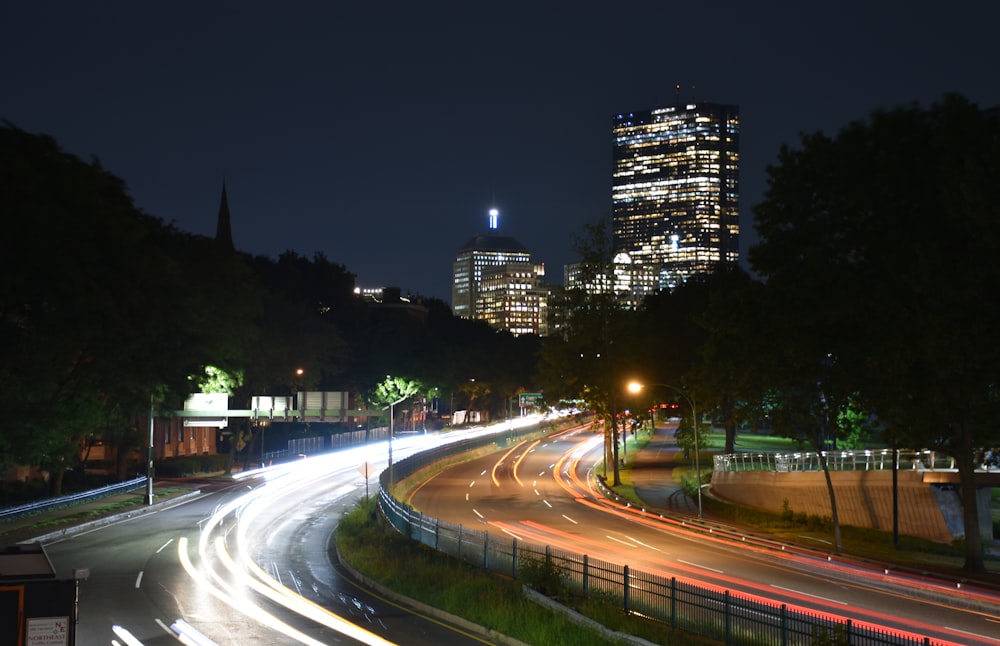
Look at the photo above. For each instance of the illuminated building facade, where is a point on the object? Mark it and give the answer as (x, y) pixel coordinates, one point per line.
(513, 297)
(494, 279)
(675, 192)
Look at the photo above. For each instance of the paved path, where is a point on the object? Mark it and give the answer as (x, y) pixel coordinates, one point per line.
(652, 473)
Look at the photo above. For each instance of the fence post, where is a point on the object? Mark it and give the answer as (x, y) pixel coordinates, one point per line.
(459, 541)
(673, 602)
(513, 558)
(625, 592)
(784, 625)
(586, 577)
(729, 618)
(437, 533)
(486, 551)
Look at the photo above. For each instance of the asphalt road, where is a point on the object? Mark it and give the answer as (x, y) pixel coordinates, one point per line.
(541, 493)
(260, 572)
(246, 563)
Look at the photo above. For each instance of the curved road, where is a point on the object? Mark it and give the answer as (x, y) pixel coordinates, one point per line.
(541, 493)
(246, 563)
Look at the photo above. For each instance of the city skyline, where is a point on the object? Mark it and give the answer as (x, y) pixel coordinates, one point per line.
(381, 135)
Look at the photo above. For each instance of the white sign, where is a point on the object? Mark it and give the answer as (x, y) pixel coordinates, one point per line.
(48, 631)
(217, 404)
(367, 469)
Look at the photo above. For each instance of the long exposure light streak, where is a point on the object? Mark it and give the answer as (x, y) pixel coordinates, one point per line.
(244, 605)
(229, 526)
(566, 476)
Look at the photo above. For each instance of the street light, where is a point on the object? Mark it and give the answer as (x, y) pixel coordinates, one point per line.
(392, 432)
(636, 387)
(149, 456)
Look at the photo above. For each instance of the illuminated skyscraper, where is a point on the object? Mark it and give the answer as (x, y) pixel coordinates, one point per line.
(493, 279)
(675, 192)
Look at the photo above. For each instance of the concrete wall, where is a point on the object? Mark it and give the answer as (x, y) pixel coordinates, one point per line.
(864, 499)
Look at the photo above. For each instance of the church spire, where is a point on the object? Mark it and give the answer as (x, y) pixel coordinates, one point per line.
(224, 230)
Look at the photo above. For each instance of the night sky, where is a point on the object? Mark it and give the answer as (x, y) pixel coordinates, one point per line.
(380, 133)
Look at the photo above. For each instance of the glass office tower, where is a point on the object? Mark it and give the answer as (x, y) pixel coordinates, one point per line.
(675, 192)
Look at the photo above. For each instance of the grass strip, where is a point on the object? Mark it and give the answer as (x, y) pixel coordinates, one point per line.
(416, 571)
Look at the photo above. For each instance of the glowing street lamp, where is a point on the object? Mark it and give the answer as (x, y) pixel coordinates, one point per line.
(636, 387)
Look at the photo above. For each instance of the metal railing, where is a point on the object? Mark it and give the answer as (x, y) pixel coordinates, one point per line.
(712, 612)
(859, 460)
(71, 499)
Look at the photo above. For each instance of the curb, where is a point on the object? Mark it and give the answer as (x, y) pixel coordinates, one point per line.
(488, 633)
(480, 631)
(108, 520)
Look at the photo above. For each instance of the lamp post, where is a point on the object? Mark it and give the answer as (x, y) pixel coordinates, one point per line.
(614, 441)
(392, 406)
(149, 466)
(635, 387)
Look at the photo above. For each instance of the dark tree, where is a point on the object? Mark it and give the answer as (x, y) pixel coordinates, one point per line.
(101, 305)
(879, 247)
(593, 356)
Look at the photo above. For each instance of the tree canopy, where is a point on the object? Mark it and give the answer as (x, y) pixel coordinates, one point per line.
(103, 306)
(879, 248)
(97, 309)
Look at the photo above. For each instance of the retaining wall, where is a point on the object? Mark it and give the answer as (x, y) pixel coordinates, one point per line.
(864, 499)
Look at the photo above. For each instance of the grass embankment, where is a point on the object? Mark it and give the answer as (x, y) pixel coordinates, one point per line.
(134, 501)
(415, 571)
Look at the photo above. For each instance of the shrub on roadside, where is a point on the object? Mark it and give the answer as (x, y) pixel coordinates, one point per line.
(190, 465)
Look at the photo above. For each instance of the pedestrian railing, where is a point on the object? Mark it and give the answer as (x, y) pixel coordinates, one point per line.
(860, 460)
(712, 612)
(71, 499)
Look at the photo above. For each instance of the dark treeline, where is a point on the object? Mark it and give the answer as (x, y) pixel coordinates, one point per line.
(104, 308)
(871, 315)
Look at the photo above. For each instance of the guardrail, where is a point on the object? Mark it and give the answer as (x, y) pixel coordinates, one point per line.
(70, 499)
(712, 612)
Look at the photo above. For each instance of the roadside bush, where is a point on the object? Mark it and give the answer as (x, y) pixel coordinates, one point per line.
(819, 523)
(542, 576)
(19, 492)
(190, 465)
(787, 514)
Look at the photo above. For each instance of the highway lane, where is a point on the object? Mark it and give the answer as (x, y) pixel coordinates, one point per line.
(542, 493)
(135, 580)
(245, 563)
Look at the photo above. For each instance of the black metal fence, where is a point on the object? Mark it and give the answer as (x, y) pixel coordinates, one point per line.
(710, 612)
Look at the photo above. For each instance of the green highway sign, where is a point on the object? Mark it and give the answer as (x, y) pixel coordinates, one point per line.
(529, 399)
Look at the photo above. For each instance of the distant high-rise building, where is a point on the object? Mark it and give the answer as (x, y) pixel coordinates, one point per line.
(514, 297)
(494, 279)
(675, 192)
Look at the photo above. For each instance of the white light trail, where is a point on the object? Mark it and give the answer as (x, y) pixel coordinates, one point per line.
(245, 581)
(126, 636)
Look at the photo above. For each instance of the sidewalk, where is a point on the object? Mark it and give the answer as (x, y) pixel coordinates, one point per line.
(652, 473)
